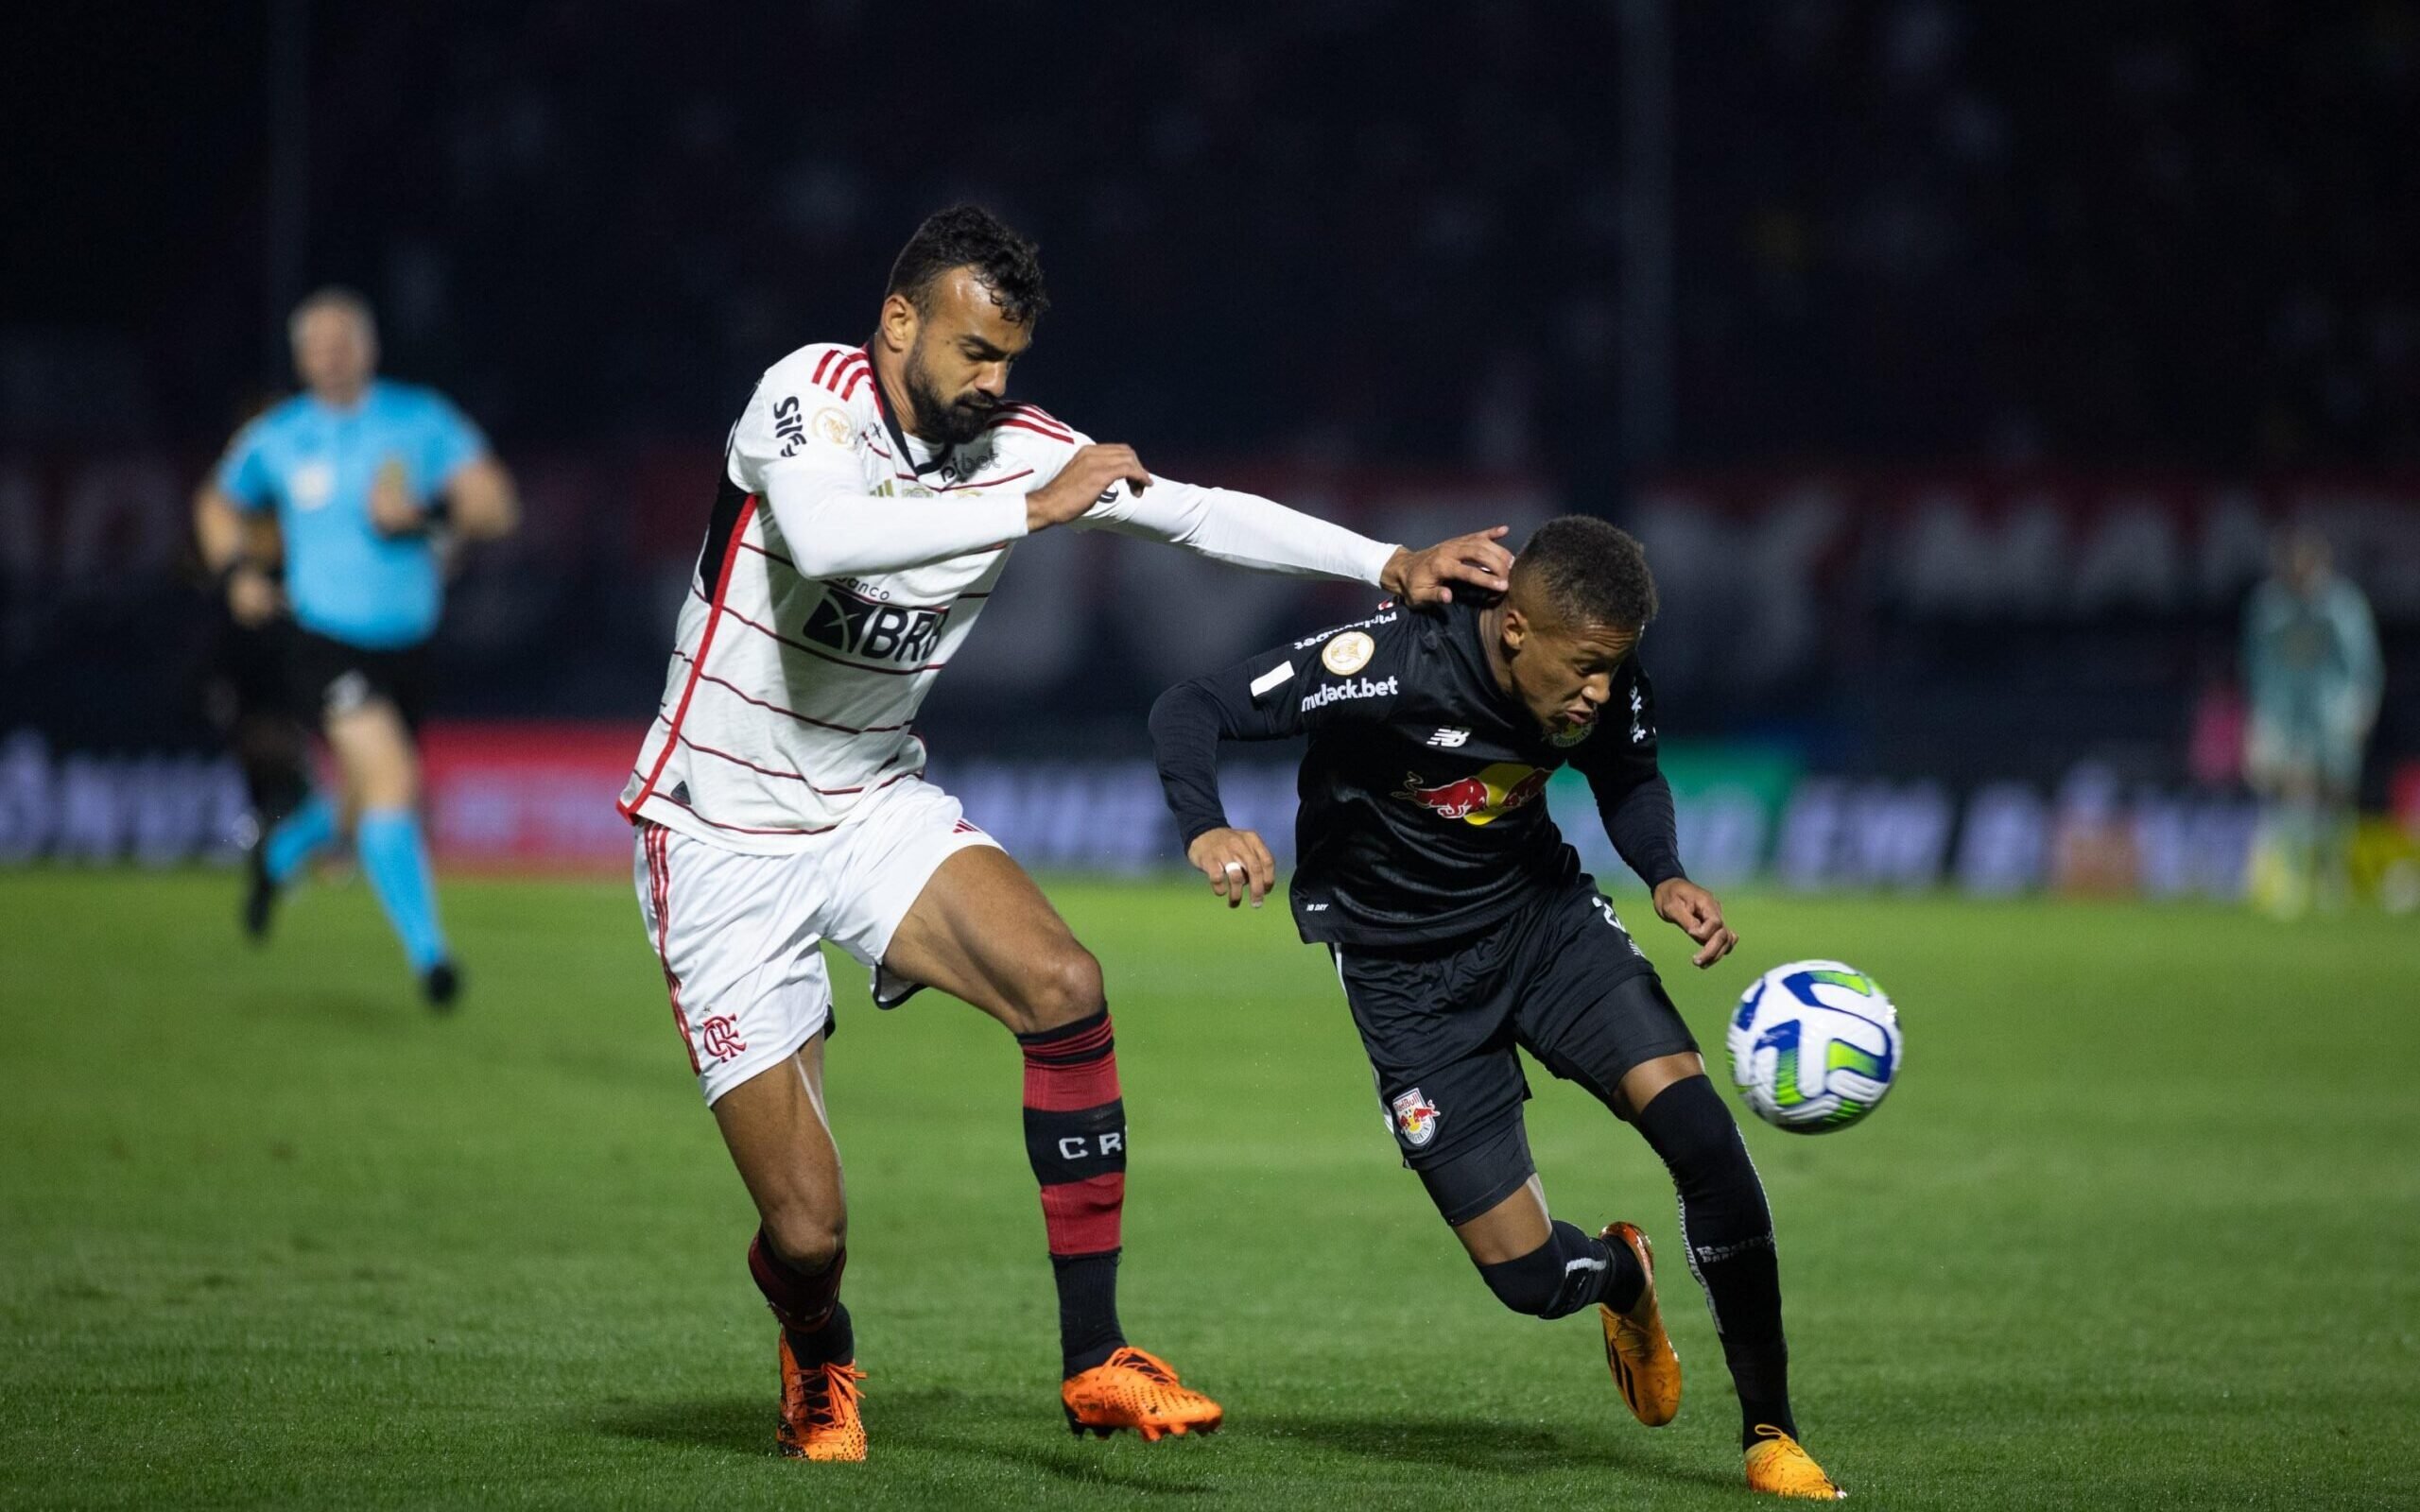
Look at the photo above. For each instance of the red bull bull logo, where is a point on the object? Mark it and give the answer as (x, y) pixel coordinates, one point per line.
(1478, 799)
(1415, 1118)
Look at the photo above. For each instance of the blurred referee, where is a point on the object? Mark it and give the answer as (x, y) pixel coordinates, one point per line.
(367, 477)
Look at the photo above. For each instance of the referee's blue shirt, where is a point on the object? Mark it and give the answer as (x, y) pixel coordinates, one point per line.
(313, 463)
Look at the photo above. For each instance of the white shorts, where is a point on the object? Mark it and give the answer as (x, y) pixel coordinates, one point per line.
(739, 934)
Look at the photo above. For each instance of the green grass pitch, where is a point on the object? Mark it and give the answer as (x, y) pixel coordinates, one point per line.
(2139, 1227)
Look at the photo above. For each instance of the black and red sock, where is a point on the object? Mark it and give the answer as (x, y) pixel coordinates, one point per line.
(807, 1302)
(1075, 1136)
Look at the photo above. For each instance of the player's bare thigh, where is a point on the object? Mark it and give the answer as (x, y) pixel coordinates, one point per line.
(981, 931)
(373, 746)
(778, 1137)
(1518, 1224)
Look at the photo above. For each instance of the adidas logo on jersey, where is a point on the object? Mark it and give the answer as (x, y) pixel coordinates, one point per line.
(879, 632)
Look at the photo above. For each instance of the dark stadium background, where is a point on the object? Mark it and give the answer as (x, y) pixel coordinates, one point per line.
(1958, 361)
(1953, 359)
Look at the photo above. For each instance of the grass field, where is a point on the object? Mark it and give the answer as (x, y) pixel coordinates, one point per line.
(2141, 1225)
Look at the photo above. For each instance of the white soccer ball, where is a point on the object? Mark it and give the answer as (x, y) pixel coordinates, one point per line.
(1814, 1046)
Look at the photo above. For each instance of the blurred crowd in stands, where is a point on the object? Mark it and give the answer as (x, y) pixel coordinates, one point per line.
(1325, 237)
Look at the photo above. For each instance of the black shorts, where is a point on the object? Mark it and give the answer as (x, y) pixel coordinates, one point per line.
(1560, 979)
(329, 678)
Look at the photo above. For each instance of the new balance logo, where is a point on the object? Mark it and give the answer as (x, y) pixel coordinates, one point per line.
(1450, 739)
(879, 632)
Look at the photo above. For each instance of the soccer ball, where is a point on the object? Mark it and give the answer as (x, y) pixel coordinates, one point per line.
(1814, 1046)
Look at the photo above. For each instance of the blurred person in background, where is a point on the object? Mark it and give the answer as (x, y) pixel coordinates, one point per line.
(2312, 675)
(243, 697)
(368, 479)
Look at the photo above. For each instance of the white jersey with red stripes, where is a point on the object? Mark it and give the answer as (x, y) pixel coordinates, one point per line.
(789, 697)
(801, 656)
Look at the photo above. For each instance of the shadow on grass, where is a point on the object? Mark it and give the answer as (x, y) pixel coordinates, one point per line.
(1001, 1427)
(1475, 1444)
(337, 1008)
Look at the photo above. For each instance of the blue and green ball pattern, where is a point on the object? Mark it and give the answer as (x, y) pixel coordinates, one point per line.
(1814, 1046)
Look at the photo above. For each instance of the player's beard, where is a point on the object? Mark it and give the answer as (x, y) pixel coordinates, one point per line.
(940, 421)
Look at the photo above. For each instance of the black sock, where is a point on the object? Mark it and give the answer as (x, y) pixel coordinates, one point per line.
(1727, 1233)
(1088, 1328)
(1566, 1274)
(835, 1343)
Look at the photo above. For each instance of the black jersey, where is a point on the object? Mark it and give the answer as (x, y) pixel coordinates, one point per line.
(1422, 815)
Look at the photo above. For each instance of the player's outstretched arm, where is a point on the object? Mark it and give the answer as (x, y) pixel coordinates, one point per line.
(1266, 536)
(833, 528)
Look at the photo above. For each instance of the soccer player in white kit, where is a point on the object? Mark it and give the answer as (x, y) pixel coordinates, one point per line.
(870, 497)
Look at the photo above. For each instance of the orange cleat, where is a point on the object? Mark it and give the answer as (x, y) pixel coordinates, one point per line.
(1133, 1389)
(1777, 1467)
(1644, 1363)
(819, 1416)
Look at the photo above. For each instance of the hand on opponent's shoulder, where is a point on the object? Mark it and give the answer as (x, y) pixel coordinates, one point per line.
(1427, 576)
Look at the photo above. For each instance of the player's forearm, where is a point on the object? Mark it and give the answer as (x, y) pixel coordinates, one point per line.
(1250, 531)
(834, 531)
(481, 503)
(1640, 823)
(218, 530)
(1185, 744)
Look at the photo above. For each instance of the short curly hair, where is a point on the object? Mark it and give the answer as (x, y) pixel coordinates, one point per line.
(970, 237)
(1585, 571)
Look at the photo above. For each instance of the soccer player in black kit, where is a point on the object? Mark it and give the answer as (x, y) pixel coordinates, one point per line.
(1463, 927)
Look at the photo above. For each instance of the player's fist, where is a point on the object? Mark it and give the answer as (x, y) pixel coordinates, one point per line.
(1680, 902)
(251, 597)
(392, 509)
(1090, 472)
(1237, 864)
(1427, 576)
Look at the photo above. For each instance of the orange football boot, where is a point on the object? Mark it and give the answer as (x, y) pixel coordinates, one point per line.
(819, 1416)
(1133, 1389)
(1779, 1466)
(1640, 1353)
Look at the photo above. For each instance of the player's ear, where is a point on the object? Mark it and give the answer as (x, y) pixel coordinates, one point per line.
(898, 322)
(1515, 631)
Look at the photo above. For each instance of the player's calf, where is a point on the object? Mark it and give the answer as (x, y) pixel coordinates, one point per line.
(1727, 1233)
(1571, 1270)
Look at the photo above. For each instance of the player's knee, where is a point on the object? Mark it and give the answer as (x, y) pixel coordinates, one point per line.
(803, 1235)
(1063, 985)
(1692, 1131)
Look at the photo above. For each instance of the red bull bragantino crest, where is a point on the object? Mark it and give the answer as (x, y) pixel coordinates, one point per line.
(1478, 799)
(1415, 1118)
